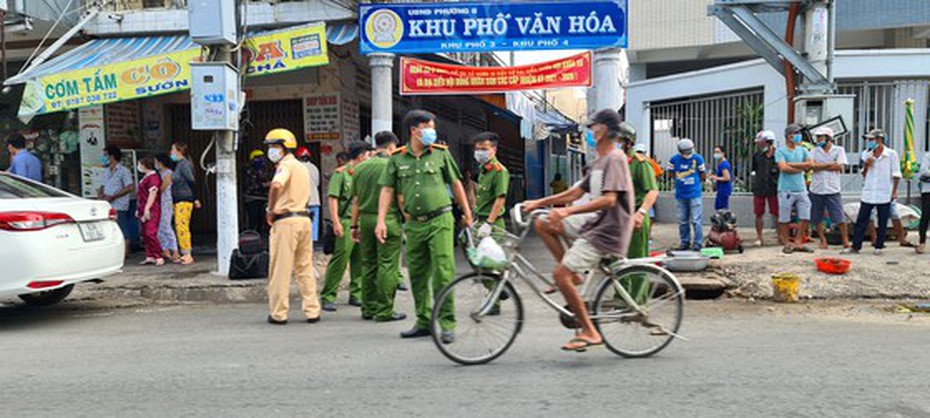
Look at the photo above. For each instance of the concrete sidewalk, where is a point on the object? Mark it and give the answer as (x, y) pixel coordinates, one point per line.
(898, 274)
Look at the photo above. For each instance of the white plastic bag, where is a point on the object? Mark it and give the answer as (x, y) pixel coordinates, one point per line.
(490, 255)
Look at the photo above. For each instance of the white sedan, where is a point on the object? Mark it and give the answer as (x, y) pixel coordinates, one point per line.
(50, 240)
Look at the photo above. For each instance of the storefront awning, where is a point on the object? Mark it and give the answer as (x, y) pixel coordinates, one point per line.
(116, 69)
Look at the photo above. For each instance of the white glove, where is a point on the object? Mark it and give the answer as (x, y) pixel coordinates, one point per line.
(484, 230)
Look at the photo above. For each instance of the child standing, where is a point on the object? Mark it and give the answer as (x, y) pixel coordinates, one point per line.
(148, 196)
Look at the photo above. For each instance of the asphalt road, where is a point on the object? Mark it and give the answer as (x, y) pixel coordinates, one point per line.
(743, 359)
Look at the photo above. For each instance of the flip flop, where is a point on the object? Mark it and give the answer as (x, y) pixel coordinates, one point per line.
(787, 249)
(581, 348)
(803, 249)
(908, 244)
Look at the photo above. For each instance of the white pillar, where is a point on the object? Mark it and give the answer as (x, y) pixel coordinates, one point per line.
(382, 93)
(227, 203)
(817, 36)
(607, 91)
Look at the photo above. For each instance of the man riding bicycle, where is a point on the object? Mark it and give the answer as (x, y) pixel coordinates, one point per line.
(599, 229)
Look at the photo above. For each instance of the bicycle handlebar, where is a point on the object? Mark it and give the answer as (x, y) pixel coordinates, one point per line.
(520, 220)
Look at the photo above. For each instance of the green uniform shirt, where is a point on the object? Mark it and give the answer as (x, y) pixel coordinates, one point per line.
(422, 180)
(366, 187)
(340, 187)
(644, 179)
(493, 182)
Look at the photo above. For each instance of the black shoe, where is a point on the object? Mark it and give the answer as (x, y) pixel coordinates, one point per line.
(313, 320)
(494, 311)
(415, 333)
(683, 247)
(402, 287)
(329, 307)
(447, 337)
(273, 321)
(368, 317)
(396, 316)
(353, 301)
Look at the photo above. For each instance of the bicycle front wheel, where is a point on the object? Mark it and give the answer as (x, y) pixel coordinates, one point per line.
(484, 328)
(642, 333)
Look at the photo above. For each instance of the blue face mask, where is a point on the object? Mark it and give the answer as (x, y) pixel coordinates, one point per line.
(870, 145)
(175, 158)
(796, 138)
(822, 144)
(589, 139)
(428, 136)
(104, 160)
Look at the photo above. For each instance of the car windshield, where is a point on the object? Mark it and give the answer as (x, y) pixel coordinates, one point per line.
(12, 187)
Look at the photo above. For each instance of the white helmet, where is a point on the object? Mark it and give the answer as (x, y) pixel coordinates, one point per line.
(685, 144)
(640, 148)
(765, 136)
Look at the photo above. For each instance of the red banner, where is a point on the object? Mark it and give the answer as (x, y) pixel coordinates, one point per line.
(425, 77)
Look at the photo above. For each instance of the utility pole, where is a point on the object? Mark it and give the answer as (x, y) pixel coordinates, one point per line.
(216, 23)
(227, 199)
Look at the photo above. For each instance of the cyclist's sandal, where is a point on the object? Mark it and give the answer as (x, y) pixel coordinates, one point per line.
(581, 348)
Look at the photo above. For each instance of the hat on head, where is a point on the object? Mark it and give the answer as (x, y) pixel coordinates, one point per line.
(685, 144)
(607, 117)
(640, 148)
(823, 131)
(303, 152)
(256, 154)
(764, 136)
(875, 133)
(793, 129)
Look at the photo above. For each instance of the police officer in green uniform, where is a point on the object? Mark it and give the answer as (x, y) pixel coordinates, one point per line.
(493, 180)
(420, 174)
(645, 191)
(340, 206)
(380, 261)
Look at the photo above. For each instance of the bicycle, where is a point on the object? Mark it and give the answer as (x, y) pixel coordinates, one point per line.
(489, 310)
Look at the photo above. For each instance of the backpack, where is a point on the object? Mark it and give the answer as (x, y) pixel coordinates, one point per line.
(248, 266)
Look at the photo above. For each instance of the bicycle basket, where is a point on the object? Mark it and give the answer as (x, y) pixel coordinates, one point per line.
(493, 252)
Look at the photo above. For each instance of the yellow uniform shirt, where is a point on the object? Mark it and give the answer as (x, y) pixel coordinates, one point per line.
(295, 178)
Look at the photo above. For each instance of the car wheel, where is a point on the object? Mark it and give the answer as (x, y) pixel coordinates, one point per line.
(46, 298)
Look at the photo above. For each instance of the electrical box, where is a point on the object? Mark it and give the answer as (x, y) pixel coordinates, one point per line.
(814, 110)
(212, 22)
(214, 97)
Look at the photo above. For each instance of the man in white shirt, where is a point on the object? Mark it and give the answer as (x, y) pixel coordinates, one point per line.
(825, 188)
(303, 154)
(881, 172)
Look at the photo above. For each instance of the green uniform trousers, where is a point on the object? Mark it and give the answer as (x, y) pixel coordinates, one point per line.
(380, 265)
(343, 254)
(638, 287)
(431, 266)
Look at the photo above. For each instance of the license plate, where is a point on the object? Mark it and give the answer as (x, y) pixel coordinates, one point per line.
(92, 231)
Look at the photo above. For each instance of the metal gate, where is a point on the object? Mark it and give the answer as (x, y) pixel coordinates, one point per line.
(258, 118)
(881, 105)
(728, 120)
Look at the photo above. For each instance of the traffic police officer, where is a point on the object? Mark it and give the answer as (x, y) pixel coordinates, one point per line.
(645, 192)
(420, 174)
(340, 206)
(380, 261)
(493, 181)
(291, 231)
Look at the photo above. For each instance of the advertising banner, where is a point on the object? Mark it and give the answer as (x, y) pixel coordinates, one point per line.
(492, 26)
(425, 77)
(91, 133)
(267, 53)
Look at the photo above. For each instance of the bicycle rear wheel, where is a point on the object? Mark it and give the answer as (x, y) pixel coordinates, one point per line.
(485, 328)
(630, 333)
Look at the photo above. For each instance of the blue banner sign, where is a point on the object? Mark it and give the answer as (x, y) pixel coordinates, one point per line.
(492, 26)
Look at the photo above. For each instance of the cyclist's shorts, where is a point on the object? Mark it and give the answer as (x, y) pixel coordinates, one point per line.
(582, 257)
(575, 223)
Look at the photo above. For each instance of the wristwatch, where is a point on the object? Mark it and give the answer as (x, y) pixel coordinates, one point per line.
(643, 211)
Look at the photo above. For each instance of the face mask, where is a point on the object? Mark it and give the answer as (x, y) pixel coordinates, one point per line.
(870, 145)
(175, 158)
(686, 154)
(427, 136)
(796, 138)
(589, 139)
(718, 156)
(482, 156)
(104, 160)
(822, 144)
(275, 154)
(258, 164)
(141, 169)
